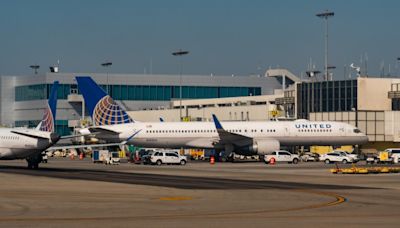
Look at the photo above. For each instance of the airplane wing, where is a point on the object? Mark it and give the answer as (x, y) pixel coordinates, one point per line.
(83, 146)
(94, 145)
(226, 137)
(78, 135)
(101, 130)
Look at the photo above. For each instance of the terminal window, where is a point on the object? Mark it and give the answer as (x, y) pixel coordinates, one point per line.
(137, 92)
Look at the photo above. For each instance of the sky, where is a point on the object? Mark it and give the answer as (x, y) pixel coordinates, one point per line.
(223, 37)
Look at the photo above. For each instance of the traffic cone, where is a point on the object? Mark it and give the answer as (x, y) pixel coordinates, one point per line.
(212, 160)
(272, 161)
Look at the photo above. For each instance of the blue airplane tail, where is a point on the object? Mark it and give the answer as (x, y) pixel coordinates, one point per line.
(49, 116)
(102, 108)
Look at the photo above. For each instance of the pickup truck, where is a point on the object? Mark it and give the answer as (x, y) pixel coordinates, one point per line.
(282, 156)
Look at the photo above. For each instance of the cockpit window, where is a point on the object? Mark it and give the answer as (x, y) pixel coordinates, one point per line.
(356, 130)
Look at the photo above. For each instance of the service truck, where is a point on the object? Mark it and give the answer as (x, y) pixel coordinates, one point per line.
(106, 157)
(382, 157)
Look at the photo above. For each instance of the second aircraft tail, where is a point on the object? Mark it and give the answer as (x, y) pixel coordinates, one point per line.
(102, 108)
(49, 116)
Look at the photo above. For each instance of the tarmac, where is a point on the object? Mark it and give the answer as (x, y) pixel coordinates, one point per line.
(67, 193)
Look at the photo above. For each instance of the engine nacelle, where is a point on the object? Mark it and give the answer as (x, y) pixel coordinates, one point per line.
(262, 147)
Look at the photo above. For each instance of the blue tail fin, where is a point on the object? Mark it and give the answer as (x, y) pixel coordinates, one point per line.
(102, 108)
(49, 115)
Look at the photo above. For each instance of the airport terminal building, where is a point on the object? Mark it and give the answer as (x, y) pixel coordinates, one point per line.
(23, 98)
(371, 104)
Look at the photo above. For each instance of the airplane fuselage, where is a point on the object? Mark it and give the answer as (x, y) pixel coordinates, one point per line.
(17, 146)
(205, 135)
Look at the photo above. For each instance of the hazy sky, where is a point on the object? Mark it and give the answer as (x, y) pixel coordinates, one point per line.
(224, 37)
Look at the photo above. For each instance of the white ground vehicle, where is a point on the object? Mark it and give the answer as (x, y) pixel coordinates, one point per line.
(167, 157)
(355, 157)
(388, 156)
(113, 158)
(106, 157)
(282, 156)
(336, 157)
(309, 156)
(395, 154)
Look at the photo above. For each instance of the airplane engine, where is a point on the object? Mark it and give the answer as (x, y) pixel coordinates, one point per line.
(262, 147)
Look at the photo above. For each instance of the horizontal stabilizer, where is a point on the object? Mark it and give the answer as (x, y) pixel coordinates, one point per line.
(32, 134)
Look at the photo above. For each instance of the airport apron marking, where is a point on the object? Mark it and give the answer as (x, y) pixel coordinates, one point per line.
(249, 213)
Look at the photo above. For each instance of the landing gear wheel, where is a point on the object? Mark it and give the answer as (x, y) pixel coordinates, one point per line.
(34, 161)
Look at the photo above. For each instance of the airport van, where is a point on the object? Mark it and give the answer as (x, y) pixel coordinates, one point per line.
(167, 157)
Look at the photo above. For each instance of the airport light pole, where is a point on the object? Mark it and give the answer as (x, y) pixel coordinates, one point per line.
(180, 53)
(325, 15)
(106, 65)
(398, 60)
(35, 68)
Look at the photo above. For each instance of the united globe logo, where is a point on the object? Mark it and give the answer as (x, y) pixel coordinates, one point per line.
(47, 121)
(108, 112)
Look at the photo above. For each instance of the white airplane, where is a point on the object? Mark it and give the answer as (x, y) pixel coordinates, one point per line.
(24, 143)
(112, 123)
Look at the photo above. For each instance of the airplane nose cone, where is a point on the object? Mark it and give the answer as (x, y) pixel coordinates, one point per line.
(54, 137)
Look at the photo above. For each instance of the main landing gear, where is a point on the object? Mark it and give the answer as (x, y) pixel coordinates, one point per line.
(34, 160)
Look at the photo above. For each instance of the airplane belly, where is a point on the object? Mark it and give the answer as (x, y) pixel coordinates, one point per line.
(150, 142)
(168, 142)
(205, 143)
(16, 153)
(23, 153)
(6, 154)
(321, 140)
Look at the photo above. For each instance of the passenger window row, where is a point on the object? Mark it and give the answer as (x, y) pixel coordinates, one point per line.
(315, 130)
(205, 131)
(9, 137)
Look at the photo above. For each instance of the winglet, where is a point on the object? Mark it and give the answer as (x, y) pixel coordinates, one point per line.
(216, 122)
(130, 137)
